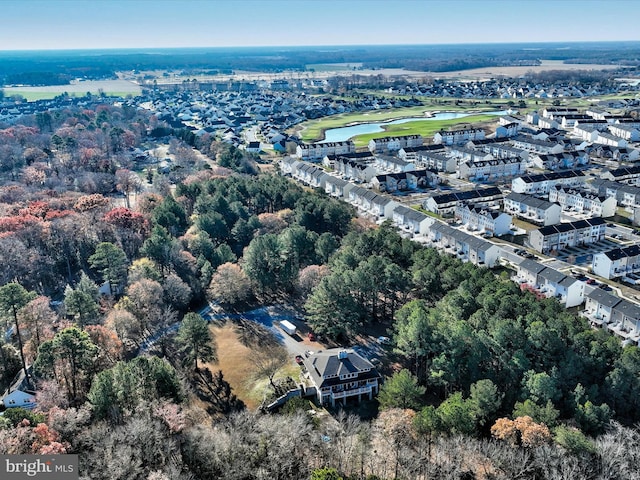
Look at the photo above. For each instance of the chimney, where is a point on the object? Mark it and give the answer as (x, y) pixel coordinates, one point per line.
(342, 354)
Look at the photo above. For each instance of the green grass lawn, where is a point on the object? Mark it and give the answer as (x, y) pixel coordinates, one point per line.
(426, 128)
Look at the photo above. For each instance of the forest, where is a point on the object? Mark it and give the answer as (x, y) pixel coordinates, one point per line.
(42, 67)
(106, 260)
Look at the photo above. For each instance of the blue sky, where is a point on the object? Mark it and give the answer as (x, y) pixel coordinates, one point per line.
(79, 24)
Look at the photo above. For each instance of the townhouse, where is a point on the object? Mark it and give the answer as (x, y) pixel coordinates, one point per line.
(583, 201)
(627, 175)
(626, 132)
(330, 160)
(317, 151)
(532, 209)
(387, 163)
(393, 144)
(560, 161)
(463, 246)
(546, 282)
(556, 237)
(412, 221)
(495, 169)
(606, 138)
(337, 187)
(489, 221)
(542, 183)
(619, 316)
(412, 154)
(503, 150)
(509, 129)
(445, 203)
(534, 145)
(626, 195)
(455, 137)
(617, 262)
(370, 203)
(392, 182)
(437, 162)
(621, 154)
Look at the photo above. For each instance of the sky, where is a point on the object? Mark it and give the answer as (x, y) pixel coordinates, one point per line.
(85, 24)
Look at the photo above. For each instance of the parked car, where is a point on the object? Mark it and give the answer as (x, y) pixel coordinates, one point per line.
(299, 359)
(384, 340)
(311, 336)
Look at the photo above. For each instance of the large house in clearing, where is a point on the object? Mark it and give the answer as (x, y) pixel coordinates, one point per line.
(339, 374)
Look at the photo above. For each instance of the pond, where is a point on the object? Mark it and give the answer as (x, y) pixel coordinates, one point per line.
(345, 133)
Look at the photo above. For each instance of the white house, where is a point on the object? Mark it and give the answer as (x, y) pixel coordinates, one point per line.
(445, 203)
(411, 220)
(547, 282)
(617, 262)
(21, 399)
(393, 144)
(466, 247)
(486, 220)
(458, 136)
(556, 237)
(541, 184)
(583, 201)
(532, 209)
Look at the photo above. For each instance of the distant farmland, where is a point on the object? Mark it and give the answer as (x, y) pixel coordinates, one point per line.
(109, 87)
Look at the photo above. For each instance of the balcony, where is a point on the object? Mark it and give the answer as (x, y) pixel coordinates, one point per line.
(351, 392)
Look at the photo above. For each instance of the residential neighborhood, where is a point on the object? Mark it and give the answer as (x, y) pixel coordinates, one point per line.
(545, 189)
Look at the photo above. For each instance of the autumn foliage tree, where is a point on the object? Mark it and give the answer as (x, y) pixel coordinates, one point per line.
(521, 431)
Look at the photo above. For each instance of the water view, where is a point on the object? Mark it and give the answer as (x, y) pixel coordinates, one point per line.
(345, 133)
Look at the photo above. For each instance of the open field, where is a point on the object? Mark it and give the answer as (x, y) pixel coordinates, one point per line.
(516, 71)
(235, 361)
(95, 87)
(426, 128)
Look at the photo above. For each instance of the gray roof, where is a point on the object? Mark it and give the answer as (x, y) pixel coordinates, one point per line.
(629, 309)
(552, 276)
(328, 363)
(603, 297)
(531, 266)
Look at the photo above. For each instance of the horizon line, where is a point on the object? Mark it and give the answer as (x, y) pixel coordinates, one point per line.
(353, 45)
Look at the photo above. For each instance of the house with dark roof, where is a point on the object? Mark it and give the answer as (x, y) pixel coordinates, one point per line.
(617, 262)
(627, 175)
(556, 237)
(626, 195)
(550, 283)
(339, 374)
(491, 221)
(393, 144)
(411, 220)
(445, 203)
(455, 137)
(466, 247)
(583, 201)
(540, 184)
(532, 209)
(620, 316)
